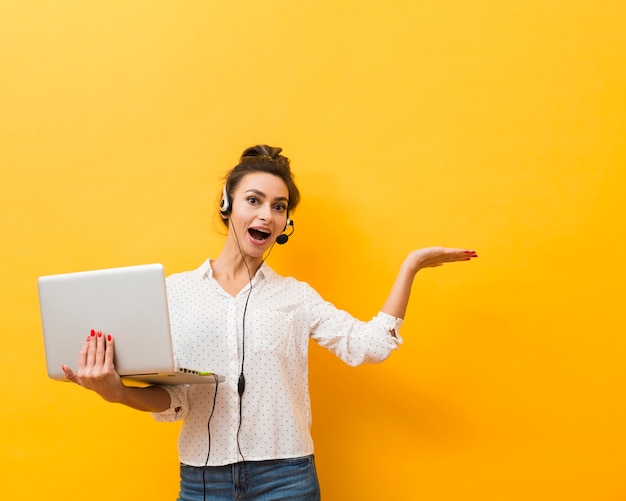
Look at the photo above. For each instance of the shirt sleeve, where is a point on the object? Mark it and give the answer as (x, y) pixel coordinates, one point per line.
(354, 341)
(179, 405)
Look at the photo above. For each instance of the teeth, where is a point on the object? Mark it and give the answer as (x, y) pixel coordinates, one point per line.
(258, 234)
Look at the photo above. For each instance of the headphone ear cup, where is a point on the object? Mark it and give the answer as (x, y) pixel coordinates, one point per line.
(225, 203)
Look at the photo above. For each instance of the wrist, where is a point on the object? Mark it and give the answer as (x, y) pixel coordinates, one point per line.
(410, 266)
(116, 396)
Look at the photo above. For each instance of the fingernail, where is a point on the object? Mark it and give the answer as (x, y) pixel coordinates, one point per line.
(99, 333)
(109, 337)
(88, 338)
(93, 333)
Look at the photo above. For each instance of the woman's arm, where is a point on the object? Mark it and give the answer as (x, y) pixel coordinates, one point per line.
(430, 257)
(96, 372)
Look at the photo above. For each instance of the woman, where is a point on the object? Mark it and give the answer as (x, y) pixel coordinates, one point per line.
(248, 437)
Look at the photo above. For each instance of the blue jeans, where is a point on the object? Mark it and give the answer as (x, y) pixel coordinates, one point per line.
(283, 479)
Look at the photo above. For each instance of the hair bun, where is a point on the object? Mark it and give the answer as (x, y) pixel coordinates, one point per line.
(262, 150)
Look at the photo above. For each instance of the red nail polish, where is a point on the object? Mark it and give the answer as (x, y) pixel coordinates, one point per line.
(88, 338)
(99, 333)
(93, 333)
(109, 337)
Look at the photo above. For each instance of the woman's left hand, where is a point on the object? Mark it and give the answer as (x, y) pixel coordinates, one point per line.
(431, 257)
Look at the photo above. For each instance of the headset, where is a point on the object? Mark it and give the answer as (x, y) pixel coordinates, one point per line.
(226, 207)
(283, 238)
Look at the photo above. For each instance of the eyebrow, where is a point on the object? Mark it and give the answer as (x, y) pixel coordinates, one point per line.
(261, 194)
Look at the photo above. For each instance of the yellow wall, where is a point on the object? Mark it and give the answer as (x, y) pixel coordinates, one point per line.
(497, 125)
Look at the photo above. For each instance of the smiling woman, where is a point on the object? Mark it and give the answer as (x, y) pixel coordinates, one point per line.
(257, 423)
(259, 214)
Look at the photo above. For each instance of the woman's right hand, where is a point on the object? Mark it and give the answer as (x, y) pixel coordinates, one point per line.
(96, 370)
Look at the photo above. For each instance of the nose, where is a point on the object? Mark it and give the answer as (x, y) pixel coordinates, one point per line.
(265, 212)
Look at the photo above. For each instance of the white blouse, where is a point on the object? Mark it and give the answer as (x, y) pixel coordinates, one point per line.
(281, 315)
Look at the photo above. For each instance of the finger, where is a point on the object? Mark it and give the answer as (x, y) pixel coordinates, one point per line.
(109, 353)
(69, 373)
(460, 254)
(455, 259)
(100, 349)
(91, 350)
(82, 355)
(468, 255)
(449, 256)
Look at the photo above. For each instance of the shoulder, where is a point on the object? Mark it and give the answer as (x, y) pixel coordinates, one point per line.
(289, 285)
(273, 278)
(199, 273)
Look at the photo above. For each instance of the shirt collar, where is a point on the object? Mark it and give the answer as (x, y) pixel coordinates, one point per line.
(265, 272)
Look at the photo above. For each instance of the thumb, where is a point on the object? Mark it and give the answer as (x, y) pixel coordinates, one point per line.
(69, 374)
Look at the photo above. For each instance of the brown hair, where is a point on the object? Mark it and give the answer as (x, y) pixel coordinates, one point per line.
(261, 158)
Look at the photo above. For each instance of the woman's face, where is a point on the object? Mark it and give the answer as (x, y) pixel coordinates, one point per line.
(259, 212)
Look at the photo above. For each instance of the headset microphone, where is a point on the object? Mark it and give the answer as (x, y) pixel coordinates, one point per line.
(283, 238)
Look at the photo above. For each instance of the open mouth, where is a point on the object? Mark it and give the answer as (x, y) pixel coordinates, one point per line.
(258, 235)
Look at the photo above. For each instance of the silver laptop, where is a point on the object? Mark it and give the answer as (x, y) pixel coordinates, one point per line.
(130, 303)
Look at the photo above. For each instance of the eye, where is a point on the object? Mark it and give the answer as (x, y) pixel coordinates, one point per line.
(280, 207)
(253, 200)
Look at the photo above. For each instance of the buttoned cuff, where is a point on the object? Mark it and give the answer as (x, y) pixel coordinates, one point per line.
(178, 408)
(392, 324)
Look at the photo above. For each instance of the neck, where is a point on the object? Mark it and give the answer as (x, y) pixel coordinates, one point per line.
(232, 263)
(232, 273)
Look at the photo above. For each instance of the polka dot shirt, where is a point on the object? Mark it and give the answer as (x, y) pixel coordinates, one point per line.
(211, 333)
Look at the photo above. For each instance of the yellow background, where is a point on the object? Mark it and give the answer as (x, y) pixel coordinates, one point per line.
(495, 125)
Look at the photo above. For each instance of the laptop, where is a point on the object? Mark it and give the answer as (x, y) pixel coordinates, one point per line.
(130, 303)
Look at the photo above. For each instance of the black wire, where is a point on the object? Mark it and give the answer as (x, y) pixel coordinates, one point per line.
(241, 383)
(209, 432)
